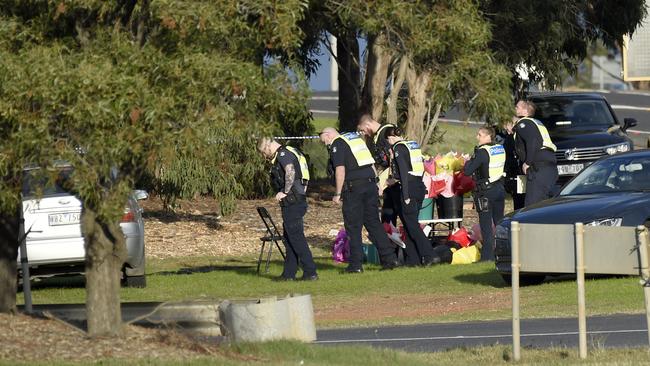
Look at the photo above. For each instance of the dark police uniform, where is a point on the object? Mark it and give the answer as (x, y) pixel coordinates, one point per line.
(360, 199)
(294, 207)
(380, 149)
(408, 167)
(535, 148)
(486, 166)
(512, 169)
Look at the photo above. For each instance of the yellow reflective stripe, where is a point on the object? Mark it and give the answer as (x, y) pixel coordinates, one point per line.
(497, 161)
(358, 147)
(415, 154)
(304, 168)
(375, 138)
(546, 137)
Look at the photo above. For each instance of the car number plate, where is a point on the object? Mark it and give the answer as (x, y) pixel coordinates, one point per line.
(69, 218)
(569, 169)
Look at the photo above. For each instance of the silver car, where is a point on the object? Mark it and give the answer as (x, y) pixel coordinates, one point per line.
(54, 242)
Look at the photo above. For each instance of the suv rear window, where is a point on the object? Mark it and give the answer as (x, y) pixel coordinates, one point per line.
(35, 182)
(559, 112)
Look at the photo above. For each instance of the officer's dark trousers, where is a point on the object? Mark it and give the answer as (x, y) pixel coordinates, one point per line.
(418, 247)
(540, 181)
(361, 208)
(496, 198)
(390, 204)
(297, 250)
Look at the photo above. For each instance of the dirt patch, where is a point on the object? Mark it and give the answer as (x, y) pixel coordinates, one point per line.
(197, 229)
(377, 307)
(27, 338)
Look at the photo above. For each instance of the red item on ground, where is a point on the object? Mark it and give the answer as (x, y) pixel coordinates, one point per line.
(460, 236)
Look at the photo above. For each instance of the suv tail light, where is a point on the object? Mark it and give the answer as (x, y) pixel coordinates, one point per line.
(128, 216)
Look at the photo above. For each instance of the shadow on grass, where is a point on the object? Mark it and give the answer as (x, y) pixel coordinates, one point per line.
(488, 277)
(245, 268)
(211, 219)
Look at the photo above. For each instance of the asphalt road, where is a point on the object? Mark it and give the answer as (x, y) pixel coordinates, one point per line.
(603, 331)
(625, 104)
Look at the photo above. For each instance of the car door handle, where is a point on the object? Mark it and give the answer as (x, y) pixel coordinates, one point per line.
(64, 201)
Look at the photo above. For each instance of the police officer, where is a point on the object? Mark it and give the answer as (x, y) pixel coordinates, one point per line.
(512, 168)
(380, 149)
(290, 177)
(407, 167)
(536, 151)
(486, 166)
(356, 186)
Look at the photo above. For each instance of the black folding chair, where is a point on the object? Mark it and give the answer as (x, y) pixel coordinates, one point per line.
(273, 237)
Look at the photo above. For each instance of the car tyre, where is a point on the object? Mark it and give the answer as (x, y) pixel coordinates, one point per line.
(134, 281)
(524, 280)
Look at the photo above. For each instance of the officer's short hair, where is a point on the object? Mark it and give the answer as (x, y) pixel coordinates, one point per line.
(392, 131)
(365, 117)
(489, 130)
(264, 142)
(530, 105)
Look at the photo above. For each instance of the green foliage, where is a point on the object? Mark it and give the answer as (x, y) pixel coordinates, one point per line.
(552, 36)
(171, 93)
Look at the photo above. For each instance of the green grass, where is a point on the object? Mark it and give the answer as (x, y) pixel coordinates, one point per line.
(293, 353)
(209, 278)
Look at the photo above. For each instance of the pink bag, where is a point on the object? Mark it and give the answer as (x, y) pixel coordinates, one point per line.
(341, 247)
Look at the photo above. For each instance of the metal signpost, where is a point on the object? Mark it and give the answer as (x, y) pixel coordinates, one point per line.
(579, 249)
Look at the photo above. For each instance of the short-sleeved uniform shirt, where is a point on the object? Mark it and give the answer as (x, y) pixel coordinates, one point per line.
(341, 155)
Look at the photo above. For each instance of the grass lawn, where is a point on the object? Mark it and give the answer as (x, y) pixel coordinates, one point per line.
(293, 353)
(441, 293)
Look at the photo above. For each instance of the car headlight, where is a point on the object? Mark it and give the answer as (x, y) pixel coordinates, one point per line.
(619, 148)
(502, 232)
(616, 221)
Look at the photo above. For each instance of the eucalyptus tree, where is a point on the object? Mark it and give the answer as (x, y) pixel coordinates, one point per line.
(171, 91)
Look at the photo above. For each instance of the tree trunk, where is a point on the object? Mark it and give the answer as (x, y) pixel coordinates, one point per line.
(9, 233)
(105, 254)
(379, 57)
(347, 49)
(417, 104)
(393, 98)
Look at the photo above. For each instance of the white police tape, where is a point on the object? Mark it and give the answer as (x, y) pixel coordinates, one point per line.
(295, 137)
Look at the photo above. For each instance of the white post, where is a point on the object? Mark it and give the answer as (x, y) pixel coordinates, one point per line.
(642, 235)
(580, 273)
(515, 265)
(334, 66)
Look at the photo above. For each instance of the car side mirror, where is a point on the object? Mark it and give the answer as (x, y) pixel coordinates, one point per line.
(140, 194)
(628, 122)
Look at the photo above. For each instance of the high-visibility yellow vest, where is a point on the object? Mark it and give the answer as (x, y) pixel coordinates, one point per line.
(497, 161)
(302, 161)
(358, 147)
(546, 138)
(304, 168)
(415, 153)
(375, 138)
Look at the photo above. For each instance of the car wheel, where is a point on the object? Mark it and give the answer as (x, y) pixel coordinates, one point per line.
(134, 281)
(524, 280)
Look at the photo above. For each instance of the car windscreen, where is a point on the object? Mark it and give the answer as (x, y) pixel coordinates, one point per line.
(612, 175)
(567, 113)
(37, 182)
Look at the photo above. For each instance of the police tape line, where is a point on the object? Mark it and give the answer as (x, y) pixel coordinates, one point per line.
(296, 137)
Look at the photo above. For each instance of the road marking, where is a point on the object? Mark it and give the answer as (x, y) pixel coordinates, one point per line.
(630, 107)
(324, 97)
(490, 336)
(323, 112)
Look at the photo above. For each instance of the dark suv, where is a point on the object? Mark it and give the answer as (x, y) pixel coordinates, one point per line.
(584, 128)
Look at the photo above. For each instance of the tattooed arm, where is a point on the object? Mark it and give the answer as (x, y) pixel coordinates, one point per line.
(289, 177)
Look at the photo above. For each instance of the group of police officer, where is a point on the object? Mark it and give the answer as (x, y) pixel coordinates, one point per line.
(525, 166)
(357, 157)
